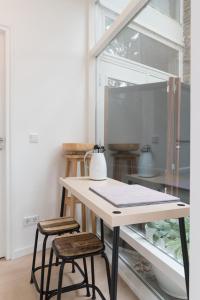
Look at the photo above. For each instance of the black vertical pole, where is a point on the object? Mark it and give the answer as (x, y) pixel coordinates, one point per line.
(185, 253)
(115, 252)
(102, 230)
(62, 203)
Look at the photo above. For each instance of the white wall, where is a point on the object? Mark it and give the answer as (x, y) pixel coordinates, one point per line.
(48, 96)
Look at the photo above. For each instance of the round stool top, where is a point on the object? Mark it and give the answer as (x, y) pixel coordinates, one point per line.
(76, 148)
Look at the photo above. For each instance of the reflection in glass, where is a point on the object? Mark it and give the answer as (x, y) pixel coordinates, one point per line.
(112, 82)
(140, 48)
(148, 273)
(158, 116)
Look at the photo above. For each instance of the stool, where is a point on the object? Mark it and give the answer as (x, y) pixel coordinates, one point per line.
(119, 158)
(68, 248)
(72, 161)
(49, 228)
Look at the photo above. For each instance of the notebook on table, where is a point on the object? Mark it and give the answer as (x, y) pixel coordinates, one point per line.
(125, 195)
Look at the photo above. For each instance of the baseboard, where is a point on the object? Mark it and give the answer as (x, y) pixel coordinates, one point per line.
(28, 250)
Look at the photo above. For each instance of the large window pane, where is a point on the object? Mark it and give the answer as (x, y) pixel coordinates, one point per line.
(141, 115)
(135, 46)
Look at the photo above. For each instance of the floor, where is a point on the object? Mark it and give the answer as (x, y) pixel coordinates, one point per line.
(14, 281)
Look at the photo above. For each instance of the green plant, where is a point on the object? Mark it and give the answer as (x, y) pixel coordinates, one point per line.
(166, 235)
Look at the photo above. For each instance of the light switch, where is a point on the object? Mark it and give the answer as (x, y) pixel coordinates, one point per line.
(33, 138)
(155, 139)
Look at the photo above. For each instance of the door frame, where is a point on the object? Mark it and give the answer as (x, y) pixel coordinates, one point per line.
(8, 214)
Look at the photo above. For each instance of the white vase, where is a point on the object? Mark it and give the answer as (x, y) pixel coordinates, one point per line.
(146, 166)
(168, 285)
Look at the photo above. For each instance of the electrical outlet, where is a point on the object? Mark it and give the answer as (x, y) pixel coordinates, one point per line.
(31, 220)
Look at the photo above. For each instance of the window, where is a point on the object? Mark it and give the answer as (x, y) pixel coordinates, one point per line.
(106, 8)
(170, 8)
(112, 82)
(135, 46)
(142, 102)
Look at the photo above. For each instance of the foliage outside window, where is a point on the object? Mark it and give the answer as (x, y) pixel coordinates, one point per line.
(137, 47)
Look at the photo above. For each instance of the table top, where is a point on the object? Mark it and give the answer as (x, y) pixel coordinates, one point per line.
(113, 216)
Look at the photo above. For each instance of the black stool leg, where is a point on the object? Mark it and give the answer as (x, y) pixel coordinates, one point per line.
(57, 262)
(34, 255)
(49, 273)
(43, 267)
(93, 278)
(86, 277)
(107, 270)
(60, 280)
(73, 267)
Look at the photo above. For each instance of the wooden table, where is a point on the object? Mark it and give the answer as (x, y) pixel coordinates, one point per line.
(116, 217)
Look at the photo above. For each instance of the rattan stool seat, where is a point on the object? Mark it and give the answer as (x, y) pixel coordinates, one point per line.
(58, 226)
(77, 245)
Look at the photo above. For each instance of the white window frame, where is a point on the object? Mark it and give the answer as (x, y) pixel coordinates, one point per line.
(95, 49)
(8, 207)
(178, 45)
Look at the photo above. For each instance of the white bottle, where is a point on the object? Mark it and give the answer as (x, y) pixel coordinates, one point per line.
(98, 167)
(146, 163)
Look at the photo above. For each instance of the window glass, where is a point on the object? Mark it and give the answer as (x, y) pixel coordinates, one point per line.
(135, 46)
(116, 6)
(171, 8)
(104, 10)
(143, 118)
(108, 22)
(112, 82)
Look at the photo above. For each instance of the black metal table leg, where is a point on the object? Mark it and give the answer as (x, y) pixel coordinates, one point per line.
(114, 273)
(62, 202)
(185, 253)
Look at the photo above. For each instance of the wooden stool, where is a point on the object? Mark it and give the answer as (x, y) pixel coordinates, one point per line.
(119, 159)
(74, 157)
(48, 228)
(68, 249)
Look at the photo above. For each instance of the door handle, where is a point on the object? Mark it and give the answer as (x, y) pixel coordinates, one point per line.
(2, 143)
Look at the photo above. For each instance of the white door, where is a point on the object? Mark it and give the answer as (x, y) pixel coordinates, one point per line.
(2, 144)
